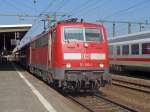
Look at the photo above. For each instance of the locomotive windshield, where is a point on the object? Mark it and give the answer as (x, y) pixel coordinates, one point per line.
(83, 34)
(93, 34)
(73, 34)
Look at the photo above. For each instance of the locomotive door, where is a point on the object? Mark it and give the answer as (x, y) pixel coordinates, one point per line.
(49, 49)
(30, 54)
(53, 45)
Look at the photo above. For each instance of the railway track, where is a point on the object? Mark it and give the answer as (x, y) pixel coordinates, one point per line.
(131, 85)
(98, 103)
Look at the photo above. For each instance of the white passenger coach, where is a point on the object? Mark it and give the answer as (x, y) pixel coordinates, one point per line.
(130, 52)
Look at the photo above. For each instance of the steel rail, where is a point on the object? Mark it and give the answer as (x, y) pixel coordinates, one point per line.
(100, 103)
(131, 85)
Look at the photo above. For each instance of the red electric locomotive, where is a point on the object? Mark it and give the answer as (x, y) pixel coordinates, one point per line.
(71, 55)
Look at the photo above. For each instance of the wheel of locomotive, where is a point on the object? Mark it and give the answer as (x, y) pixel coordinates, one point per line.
(44, 75)
(49, 79)
(30, 69)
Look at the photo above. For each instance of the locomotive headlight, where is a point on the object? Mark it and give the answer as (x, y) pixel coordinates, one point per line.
(85, 45)
(101, 65)
(68, 65)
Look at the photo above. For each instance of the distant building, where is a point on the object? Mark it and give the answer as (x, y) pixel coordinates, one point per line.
(10, 35)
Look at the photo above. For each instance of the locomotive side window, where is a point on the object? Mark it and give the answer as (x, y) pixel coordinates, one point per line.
(33, 45)
(37, 43)
(44, 40)
(73, 34)
(40, 42)
(125, 49)
(135, 49)
(93, 34)
(118, 50)
(146, 48)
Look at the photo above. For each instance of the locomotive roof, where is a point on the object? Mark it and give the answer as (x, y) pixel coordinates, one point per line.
(61, 23)
(79, 23)
(129, 37)
(64, 23)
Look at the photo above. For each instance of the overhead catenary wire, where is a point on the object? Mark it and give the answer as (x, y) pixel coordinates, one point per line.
(21, 13)
(36, 21)
(22, 5)
(93, 6)
(81, 7)
(127, 9)
(87, 6)
(61, 5)
(35, 24)
(44, 10)
(13, 6)
(35, 6)
(51, 3)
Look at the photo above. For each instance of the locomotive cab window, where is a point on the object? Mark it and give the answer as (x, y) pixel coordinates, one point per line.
(82, 34)
(73, 34)
(93, 34)
(146, 48)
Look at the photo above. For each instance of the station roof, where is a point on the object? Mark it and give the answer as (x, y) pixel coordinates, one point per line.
(15, 28)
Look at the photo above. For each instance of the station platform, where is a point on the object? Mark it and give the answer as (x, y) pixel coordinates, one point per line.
(22, 92)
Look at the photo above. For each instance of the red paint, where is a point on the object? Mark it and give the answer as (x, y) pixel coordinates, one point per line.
(59, 47)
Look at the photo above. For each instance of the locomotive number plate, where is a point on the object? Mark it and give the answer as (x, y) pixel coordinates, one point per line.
(86, 64)
(86, 56)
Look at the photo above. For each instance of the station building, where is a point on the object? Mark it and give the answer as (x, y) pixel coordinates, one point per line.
(10, 36)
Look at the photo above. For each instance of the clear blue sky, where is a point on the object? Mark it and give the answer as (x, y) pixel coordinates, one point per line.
(89, 10)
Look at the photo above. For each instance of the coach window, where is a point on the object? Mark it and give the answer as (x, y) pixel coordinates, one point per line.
(135, 49)
(111, 50)
(118, 50)
(146, 48)
(125, 49)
